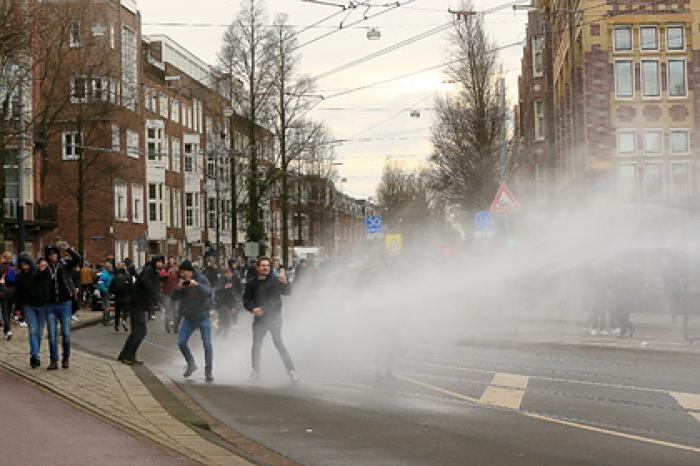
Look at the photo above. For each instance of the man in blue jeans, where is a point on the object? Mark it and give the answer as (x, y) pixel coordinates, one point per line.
(31, 298)
(194, 294)
(55, 276)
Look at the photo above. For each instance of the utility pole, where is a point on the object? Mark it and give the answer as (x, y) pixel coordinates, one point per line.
(283, 153)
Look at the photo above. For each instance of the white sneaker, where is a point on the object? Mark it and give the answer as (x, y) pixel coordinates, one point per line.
(8, 336)
(254, 377)
(74, 318)
(23, 324)
(293, 376)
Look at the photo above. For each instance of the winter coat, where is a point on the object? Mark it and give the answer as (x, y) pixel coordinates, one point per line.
(229, 297)
(147, 290)
(28, 291)
(122, 287)
(195, 302)
(265, 293)
(104, 279)
(60, 284)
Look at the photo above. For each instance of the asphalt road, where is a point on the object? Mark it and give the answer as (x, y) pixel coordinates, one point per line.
(448, 404)
(38, 428)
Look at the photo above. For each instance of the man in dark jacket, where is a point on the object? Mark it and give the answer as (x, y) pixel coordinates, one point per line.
(56, 277)
(32, 299)
(263, 298)
(145, 297)
(228, 300)
(194, 295)
(122, 288)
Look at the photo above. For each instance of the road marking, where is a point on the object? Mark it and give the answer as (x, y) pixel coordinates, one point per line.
(505, 390)
(552, 420)
(690, 402)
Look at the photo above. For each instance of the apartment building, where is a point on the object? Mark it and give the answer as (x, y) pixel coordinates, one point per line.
(624, 99)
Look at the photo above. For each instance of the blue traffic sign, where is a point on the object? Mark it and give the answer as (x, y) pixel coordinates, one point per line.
(375, 225)
(483, 220)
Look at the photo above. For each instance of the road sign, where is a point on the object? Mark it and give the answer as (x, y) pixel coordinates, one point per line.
(393, 243)
(504, 200)
(252, 249)
(374, 225)
(483, 220)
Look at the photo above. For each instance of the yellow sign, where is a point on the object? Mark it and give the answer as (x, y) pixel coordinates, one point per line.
(394, 243)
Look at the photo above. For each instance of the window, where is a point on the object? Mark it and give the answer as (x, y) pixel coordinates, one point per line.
(651, 78)
(677, 84)
(539, 120)
(137, 199)
(177, 208)
(114, 91)
(211, 166)
(537, 59)
(625, 142)
(75, 38)
(624, 79)
(163, 105)
(680, 141)
(211, 209)
(175, 110)
(675, 39)
(623, 38)
(175, 156)
(150, 103)
(190, 164)
(192, 209)
(155, 202)
(116, 139)
(78, 89)
(154, 143)
(100, 89)
(168, 217)
(653, 181)
(121, 249)
(627, 182)
(112, 36)
(120, 201)
(72, 145)
(653, 142)
(132, 143)
(649, 38)
(680, 179)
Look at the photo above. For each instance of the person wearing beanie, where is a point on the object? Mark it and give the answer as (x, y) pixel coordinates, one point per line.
(146, 295)
(194, 296)
(56, 279)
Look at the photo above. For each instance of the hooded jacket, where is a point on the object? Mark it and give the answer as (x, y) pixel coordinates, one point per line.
(28, 291)
(195, 302)
(58, 281)
(147, 290)
(122, 287)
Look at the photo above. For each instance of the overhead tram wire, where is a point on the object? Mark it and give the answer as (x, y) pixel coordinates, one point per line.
(398, 4)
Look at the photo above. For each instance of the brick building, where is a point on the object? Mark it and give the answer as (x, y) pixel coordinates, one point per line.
(633, 135)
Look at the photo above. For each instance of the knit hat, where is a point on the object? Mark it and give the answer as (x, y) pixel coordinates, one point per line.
(187, 265)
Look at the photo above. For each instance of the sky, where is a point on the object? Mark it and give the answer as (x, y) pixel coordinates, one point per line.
(376, 122)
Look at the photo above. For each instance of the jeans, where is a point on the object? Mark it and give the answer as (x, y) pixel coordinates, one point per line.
(59, 313)
(137, 318)
(6, 315)
(186, 329)
(273, 324)
(36, 319)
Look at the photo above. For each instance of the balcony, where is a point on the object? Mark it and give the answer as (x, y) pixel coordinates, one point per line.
(35, 215)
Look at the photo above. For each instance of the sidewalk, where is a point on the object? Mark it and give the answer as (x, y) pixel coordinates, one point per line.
(111, 390)
(654, 332)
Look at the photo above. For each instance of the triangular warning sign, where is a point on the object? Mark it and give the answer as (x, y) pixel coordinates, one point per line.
(504, 200)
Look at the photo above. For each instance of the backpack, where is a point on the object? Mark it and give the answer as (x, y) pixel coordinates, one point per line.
(122, 283)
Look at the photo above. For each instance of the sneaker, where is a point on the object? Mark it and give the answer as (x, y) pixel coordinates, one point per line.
(8, 336)
(124, 326)
(53, 366)
(190, 370)
(34, 363)
(293, 376)
(74, 318)
(254, 377)
(209, 377)
(23, 324)
(65, 363)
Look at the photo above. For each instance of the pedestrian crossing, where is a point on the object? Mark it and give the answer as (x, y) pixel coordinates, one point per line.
(505, 390)
(690, 402)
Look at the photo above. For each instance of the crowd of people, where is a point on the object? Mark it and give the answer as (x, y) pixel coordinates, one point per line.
(46, 293)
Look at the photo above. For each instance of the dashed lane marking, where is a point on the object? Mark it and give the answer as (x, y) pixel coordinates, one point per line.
(690, 402)
(551, 420)
(505, 390)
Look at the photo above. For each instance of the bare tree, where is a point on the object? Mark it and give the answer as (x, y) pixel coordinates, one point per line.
(247, 56)
(468, 136)
(403, 197)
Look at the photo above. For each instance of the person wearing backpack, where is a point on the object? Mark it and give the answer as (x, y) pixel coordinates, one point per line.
(122, 287)
(103, 282)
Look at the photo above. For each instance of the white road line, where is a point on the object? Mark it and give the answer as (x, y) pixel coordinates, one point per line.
(506, 390)
(575, 425)
(690, 402)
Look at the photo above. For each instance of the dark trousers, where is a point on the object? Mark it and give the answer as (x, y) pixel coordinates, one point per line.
(6, 315)
(137, 335)
(273, 324)
(121, 311)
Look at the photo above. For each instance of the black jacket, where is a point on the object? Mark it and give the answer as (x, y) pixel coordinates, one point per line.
(229, 297)
(122, 287)
(266, 294)
(195, 302)
(28, 291)
(147, 290)
(59, 286)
